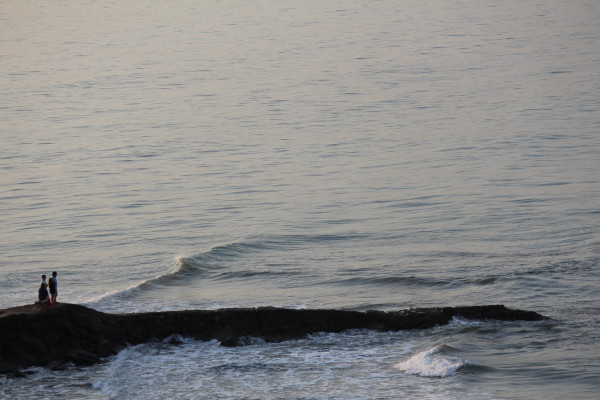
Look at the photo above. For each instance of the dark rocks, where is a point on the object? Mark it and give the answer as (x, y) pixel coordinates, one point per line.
(66, 333)
(82, 357)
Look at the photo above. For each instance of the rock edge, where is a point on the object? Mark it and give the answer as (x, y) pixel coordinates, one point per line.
(31, 336)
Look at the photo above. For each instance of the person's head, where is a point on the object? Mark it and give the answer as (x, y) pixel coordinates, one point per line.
(43, 277)
(54, 274)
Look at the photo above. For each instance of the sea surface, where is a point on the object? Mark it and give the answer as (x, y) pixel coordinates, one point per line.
(168, 155)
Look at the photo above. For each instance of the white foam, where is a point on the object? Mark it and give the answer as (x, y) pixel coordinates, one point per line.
(460, 321)
(432, 363)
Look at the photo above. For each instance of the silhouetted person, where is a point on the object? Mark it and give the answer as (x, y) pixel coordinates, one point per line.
(53, 285)
(43, 292)
(44, 283)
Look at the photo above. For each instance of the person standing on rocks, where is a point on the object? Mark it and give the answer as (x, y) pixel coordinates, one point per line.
(53, 284)
(43, 291)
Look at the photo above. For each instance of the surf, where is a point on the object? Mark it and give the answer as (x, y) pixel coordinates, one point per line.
(436, 362)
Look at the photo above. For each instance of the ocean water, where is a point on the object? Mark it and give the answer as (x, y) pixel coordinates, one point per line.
(336, 154)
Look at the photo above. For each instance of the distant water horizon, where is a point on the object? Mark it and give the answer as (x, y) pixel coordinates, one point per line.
(340, 154)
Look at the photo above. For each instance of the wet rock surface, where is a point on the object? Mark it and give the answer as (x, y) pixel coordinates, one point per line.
(34, 336)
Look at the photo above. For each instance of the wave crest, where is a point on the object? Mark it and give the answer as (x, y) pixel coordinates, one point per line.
(176, 268)
(434, 362)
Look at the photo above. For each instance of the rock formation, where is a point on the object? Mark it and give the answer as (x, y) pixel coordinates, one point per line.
(31, 336)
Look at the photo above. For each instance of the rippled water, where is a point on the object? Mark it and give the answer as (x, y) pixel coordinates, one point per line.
(348, 154)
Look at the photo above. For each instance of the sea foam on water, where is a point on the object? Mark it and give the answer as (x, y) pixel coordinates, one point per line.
(432, 363)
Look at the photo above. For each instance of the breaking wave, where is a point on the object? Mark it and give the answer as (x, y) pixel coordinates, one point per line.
(177, 268)
(435, 362)
(216, 263)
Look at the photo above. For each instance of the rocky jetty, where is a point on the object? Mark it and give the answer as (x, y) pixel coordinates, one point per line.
(33, 336)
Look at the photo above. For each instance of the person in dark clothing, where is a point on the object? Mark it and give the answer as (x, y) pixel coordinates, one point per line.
(43, 296)
(53, 285)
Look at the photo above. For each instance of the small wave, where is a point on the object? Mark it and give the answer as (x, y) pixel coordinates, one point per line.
(184, 268)
(177, 339)
(464, 322)
(219, 258)
(434, 362)
(228, 251)
(486, 281)
(259, 243)
(418, 281)
(254, 274)
(560, 268)
(179, 266)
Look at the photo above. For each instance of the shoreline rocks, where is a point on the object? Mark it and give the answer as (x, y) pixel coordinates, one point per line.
(32, 336)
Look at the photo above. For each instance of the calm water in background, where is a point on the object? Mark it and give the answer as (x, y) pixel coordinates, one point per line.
(337, 154)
